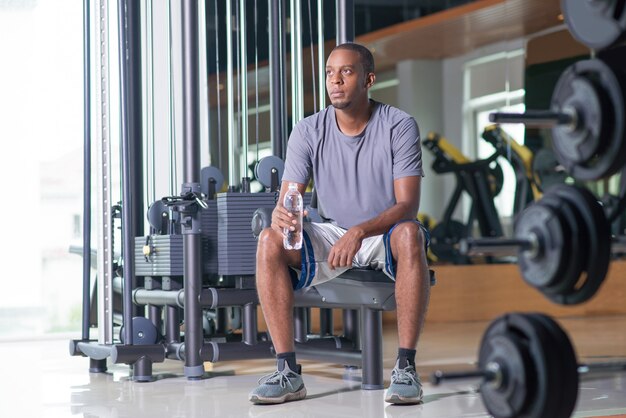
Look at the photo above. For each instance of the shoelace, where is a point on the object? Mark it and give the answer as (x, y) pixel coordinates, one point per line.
(405, 376)
(277, 376)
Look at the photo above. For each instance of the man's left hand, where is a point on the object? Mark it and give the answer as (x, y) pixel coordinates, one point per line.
(344, 250)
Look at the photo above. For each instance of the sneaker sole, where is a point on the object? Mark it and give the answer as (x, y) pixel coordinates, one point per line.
(293, 396)
(399, 400)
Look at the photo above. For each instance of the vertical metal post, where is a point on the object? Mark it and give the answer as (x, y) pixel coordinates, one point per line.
(86, 168)
(277, 78)
(372, 349)
(321, 65)
(297, 88)
(345, 21)
(249, 324)
(192, 245)
(243, 135)
(127, 196)
(230, 97)
(103, 199)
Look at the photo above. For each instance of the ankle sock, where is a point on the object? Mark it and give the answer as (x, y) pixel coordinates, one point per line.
(406, 357)
(288, 358)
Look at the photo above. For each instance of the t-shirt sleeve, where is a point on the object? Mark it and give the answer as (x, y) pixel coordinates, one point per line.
(298, 160)
(407, 150)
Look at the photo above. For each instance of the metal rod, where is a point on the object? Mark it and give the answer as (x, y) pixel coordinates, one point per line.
(243, 136)
(492, 374)
(277, 76)
(103, 143)
(537, 118)
(297, 89)
(495, 246)
(127, 201)
(230, 98)
(345, 21)
(192, 245)
(321, 65)
(86, 169)
(249, 327)
(438, 376)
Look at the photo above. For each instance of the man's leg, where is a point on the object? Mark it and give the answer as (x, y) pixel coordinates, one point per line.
(412, 296)
(276, 296)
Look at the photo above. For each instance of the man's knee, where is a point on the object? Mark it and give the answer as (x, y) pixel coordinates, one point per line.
(270, 248)
(408, 236)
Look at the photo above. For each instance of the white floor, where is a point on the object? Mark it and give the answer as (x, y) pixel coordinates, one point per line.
(40, 379)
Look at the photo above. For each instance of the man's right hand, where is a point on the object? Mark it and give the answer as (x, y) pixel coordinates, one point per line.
(282, 218)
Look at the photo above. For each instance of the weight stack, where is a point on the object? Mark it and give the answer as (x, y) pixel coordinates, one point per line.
(165, 259)
(208, 220)
(236, 245)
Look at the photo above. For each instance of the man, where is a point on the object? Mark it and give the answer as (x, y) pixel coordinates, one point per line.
(365, 159)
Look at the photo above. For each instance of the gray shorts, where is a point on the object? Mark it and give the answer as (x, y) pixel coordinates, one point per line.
(318, 239)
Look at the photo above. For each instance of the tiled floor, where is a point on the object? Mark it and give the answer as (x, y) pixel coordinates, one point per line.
(40, 379)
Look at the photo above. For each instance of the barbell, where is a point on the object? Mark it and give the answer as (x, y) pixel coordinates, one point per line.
(527, 367)
(586, 117)
(563, 244)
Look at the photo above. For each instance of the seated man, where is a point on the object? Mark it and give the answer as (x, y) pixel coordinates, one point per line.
(365, 159)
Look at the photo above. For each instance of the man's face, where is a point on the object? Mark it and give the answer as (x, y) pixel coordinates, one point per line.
(346, 81)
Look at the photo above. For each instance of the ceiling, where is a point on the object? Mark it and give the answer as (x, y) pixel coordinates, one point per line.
(461, 30)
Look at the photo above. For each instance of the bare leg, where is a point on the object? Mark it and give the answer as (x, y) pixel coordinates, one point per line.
(274, 287)
(412, 282)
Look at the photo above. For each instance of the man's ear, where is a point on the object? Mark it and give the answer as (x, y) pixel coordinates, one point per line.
(370, 79)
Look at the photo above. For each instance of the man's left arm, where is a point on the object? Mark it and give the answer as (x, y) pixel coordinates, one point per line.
(407, 194)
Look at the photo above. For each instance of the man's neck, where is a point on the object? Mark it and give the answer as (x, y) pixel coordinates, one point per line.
(352, 121)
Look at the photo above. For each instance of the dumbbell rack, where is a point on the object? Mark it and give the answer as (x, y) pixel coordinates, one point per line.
(527, 364)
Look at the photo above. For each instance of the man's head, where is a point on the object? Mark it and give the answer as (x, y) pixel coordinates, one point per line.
(349, 75)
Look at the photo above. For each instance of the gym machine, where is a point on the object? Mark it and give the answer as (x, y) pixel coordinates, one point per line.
(527, 366)
(481, 180)
(193, 272)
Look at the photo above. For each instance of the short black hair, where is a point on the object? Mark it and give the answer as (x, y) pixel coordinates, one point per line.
(367, 60)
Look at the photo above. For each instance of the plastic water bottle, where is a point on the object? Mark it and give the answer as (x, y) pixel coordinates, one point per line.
(294, 204)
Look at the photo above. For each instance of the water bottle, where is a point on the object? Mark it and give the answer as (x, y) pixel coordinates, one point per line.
(293, 203)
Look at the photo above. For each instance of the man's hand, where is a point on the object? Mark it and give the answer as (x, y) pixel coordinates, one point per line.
(282, 218)
(344, 250)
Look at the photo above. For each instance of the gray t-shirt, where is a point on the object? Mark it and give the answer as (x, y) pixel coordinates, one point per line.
(354, 175)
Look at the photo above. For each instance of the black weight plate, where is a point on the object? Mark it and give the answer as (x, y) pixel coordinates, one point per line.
(562, 351)
(542, 267)
(604, 124)
(144, 332)
(528, 343)
(213, 175)
(158, 216)
(574, 264)
(509, 397)
(443, 240)
(597, 24)
(598, 244)
(585, 140)
(265, 167)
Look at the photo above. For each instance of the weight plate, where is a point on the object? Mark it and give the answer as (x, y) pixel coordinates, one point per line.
(266, 167)
(528, 345)
(584, 141)
(597, 246)
(595, 23)
(541, 267)
(596, 147)
(444, 239)
(560, 349)
(212, 175)
(158, 217)
(508, 394)
(144, 332)
(574, 264)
